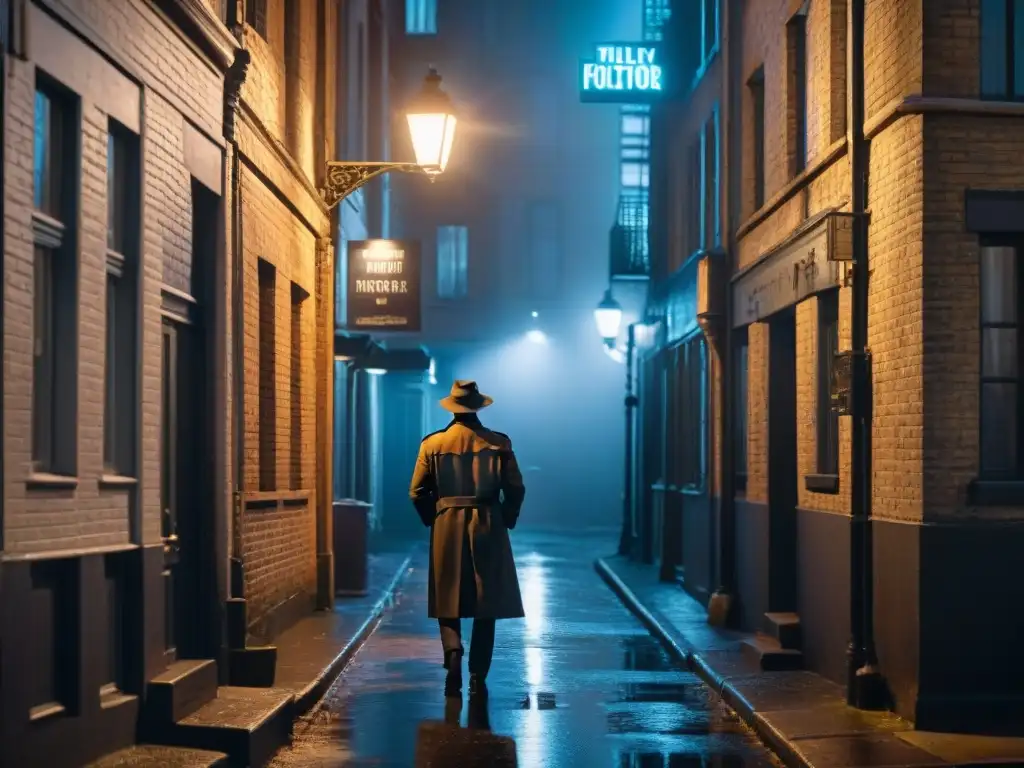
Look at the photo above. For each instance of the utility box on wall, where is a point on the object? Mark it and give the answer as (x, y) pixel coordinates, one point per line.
(351, 547)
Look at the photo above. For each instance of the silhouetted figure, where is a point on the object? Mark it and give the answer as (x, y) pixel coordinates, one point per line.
(468, 489)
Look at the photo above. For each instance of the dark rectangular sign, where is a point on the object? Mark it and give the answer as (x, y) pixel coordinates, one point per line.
(622, 73)
(384, 285)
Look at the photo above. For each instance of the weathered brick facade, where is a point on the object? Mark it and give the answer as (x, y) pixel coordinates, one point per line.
(944, 178)
(227, 182)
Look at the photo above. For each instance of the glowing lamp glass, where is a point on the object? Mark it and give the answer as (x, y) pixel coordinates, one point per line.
(432, 124)
(608, 317)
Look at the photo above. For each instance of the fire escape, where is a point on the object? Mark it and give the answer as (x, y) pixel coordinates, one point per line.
(629, 244)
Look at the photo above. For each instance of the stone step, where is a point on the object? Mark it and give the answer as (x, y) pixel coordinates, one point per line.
(249, 724)
(154, 756)
(784, 627)
(182, 689)
(770, 655)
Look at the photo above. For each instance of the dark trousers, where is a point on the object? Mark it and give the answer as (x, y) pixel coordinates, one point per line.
(481, 646)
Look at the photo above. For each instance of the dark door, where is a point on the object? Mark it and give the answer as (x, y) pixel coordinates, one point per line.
(782, 463)
(188, 571)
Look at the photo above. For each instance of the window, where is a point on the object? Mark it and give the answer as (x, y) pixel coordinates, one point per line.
(544, 227)
(694, 194)
(256, 16)
(796, 34)
(1002, 49)
(421, 17)
(741, 350)
(635, 176)
(452, 262)
(295, 376)
(1000, 362)
(121, 361)
(756, 87)
(292, 96)
(827, 420)
(690, 395)
(267, 280)
(709, 182)
(709, 27)
(55, 282)
(635, 142)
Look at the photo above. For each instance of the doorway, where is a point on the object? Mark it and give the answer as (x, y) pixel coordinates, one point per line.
(782, 464)
(189, 519)
(186, 501)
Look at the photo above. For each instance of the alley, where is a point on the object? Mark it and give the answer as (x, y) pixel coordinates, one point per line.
(579, 682)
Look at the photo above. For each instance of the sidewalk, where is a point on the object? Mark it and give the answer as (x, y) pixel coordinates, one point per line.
(312, 654)
(802, 716)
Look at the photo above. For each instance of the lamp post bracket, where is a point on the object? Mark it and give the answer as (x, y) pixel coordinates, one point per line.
(343, 178)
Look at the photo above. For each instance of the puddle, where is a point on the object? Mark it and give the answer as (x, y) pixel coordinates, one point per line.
(645, 654)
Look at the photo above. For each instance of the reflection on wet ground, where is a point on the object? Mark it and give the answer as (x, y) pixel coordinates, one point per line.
(579, 682)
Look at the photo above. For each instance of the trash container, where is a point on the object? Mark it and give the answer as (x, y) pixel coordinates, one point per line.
(351, 534)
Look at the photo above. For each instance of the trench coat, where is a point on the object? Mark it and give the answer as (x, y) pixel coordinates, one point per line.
(467, 488)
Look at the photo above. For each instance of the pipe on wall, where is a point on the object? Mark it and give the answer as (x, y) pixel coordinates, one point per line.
(865, 685)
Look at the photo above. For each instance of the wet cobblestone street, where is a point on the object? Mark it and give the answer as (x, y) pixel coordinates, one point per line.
(579, 682)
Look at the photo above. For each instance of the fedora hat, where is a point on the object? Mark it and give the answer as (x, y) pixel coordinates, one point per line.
(465, 397)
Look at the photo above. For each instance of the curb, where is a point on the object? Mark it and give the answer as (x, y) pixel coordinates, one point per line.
(310, 696)
(693, 661)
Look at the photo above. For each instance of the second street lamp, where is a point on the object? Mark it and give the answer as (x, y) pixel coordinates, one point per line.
(608, 317)
(432, 121)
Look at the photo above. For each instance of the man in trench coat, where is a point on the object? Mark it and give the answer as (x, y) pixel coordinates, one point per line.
(468, 490)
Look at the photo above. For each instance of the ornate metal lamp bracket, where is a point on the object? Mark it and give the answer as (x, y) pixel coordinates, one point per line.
(344, 178)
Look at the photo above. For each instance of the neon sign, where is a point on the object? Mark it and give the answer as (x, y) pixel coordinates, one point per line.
(626, 73)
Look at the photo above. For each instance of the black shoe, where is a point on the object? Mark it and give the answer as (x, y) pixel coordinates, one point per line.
(477, 687)
(453, 680)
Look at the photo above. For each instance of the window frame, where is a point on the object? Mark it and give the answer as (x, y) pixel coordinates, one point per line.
(826, 421)
(459, 251)
(710, 235)
(54, 417)
(1008, 22)
(124, 214)
(796, 31)
(256, 16)
(756, 88)
(740, 415)
(425, 14)
(689, 395)
(710, 48)
(984, 471)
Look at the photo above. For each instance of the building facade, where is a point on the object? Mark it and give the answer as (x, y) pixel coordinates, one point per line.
(867, 440)
(168, 342)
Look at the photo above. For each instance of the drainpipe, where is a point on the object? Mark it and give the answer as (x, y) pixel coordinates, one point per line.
(865, 685)
(232, 93)
(626, 537)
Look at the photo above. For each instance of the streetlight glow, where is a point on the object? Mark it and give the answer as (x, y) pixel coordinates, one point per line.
(608, 317)
(432, 125)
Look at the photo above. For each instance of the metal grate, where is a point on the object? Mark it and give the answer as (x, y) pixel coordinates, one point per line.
(629, 252)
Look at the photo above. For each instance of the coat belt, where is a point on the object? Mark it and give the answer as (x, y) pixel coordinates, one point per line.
(464, 502)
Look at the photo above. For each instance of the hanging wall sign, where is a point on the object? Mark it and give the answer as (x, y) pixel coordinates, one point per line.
(384, 285)
(622, 73)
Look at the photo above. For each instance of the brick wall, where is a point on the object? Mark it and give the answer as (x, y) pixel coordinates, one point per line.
(158, 61)
(282, 219)
(893, 51)
(825, 185)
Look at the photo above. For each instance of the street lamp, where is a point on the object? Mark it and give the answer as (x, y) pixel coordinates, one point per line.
(432, 121)
(608, 317)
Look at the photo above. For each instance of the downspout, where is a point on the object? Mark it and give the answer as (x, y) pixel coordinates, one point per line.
(727, 504)
(865, 685)
(232, 92)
